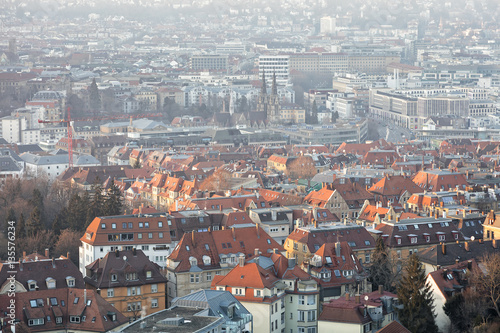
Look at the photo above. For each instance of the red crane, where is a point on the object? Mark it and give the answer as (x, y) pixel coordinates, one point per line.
(70, 134)
(70, 129)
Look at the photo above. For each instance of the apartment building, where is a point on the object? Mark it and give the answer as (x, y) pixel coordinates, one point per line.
(275, 64)
(209, 62)
(280, 296)
(200, 256)
(129, 281)
(149, 233)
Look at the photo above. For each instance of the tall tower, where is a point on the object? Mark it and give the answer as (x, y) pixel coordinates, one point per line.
(273, 103)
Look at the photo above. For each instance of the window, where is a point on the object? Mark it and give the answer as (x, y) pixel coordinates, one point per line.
(114, 277)
(160, 224)
(413, 240)
(302, 300)
(74, 319)
(130, 225)
(311, 299)
(154, 288)
(141, 225)
(103, 225)
(311, 315)
(301, 315)
(160, 235)
(150, 235)
(146, 224)
(113, 225)
(58, 320)
(442, 238)
(111, 292)
(209, 276)
(154, 302)
(139, 236)
(36, 322)
(124, 225)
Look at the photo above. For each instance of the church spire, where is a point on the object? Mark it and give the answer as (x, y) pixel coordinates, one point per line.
(274, 88)
(263, 89)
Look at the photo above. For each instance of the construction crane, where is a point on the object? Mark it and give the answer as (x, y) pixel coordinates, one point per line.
(70, 128)
(70, 134)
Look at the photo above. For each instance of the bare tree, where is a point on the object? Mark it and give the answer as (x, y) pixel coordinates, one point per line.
(487, 280)
(302, 167)
(218, 181)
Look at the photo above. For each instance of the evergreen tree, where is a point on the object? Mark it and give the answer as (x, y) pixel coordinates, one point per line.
(113, 204)
(60, 221)
(34, 224)
(381, 270)
(415, 295)
(314, 113)
(37, 201)
(94, 97)
(21, 227)
(96, 204)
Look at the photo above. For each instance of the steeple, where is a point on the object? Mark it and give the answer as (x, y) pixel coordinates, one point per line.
(274, 88)
(263, 89)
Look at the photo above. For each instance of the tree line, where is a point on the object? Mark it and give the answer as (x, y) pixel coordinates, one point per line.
(55, 217)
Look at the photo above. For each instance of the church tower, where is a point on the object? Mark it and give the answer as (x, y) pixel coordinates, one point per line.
(269, 104)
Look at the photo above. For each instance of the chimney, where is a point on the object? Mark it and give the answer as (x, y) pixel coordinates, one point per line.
(443, 248)
(241, 260)
(469, 265)
(357, 298)
(117, 253)
(494, 243)
(346, 296)
(134, 251)
(192, 239)
(67, 255)
(24, 254)
(436, 214)
(221, 208)
(85, 296)
(257, 229)
(291, 263)
(381, 289)
(337, 249)
(466, 246)
(464, 213)
(274, 215)
(256, 252)
(233, 233)
(457, 261)
(53, 262)
(47, 253)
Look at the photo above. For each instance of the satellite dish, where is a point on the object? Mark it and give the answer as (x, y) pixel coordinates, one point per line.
(472, 238)
(125, 258)
(366, 298)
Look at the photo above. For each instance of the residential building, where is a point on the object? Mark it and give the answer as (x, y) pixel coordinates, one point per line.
(276, 221)
(274, 289)
(304, 242)
(440, 180)
(64, 310)
(411, 235)
(200, 256)
(129, 281)
(276, 64)
(491, 226)
(394, 190)
(362, 313)
(52, 166)
(40, 273)
(337, 270)
(447, 282)
(342, 197)
(147, 232)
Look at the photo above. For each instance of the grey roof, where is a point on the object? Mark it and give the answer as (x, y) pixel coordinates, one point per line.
(28, 148)
(216, 301)
(7, 164)
(58, 159)
(44, 159)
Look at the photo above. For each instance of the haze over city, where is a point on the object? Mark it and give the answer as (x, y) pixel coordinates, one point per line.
(249, 166)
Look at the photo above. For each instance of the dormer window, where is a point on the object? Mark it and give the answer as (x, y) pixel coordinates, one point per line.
(70, 281)
(193, 261)
(206, 260)
(148, 274)
(31, 285)
(131, 276)
(51, 283)
(114, 277)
